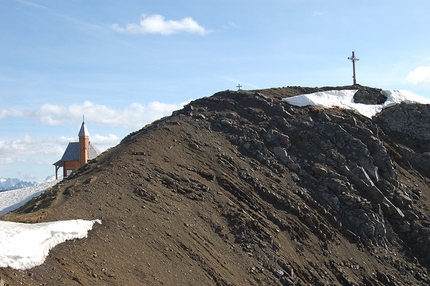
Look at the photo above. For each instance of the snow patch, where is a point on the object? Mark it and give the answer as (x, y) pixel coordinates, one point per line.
(24, 246)
(345, 99)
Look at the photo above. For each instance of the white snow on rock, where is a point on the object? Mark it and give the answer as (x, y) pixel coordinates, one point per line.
(24, 245)
(345, 99)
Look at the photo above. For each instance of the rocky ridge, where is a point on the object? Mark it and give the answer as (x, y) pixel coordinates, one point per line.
(243, 188)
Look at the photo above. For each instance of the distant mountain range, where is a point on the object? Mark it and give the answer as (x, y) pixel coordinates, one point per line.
(14, 183)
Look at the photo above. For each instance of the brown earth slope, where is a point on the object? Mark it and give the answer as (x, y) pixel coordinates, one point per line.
(241, 188)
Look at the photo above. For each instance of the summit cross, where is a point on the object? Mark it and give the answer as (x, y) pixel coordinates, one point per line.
(353, 59)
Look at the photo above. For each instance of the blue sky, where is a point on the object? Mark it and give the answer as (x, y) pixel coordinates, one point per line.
(124, 64)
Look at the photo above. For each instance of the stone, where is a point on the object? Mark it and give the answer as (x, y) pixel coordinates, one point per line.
(278, 273)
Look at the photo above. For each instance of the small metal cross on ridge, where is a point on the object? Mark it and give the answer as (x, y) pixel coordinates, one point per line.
(353, 59)
(238, 86)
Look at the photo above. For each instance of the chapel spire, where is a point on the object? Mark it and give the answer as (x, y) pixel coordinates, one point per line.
(83, 131)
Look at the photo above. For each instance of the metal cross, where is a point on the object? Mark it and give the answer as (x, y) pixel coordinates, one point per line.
(238, 86)
(353, 59)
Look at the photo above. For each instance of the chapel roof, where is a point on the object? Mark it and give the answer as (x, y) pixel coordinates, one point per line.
(72, 153)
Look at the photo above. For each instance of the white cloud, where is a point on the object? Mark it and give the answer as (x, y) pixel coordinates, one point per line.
(135, 116)
(156, 24)
(20, 150)
(420, 76)
(65, 140)
(12, 113)
(110, 140)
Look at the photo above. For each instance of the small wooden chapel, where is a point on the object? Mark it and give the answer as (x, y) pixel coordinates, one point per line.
(77, 154)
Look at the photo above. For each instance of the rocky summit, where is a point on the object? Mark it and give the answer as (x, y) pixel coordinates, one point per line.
(242, 188)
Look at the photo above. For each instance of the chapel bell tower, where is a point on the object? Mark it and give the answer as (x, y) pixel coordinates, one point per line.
(84, 145)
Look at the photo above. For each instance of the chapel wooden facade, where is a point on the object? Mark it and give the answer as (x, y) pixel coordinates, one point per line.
(77, 154)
